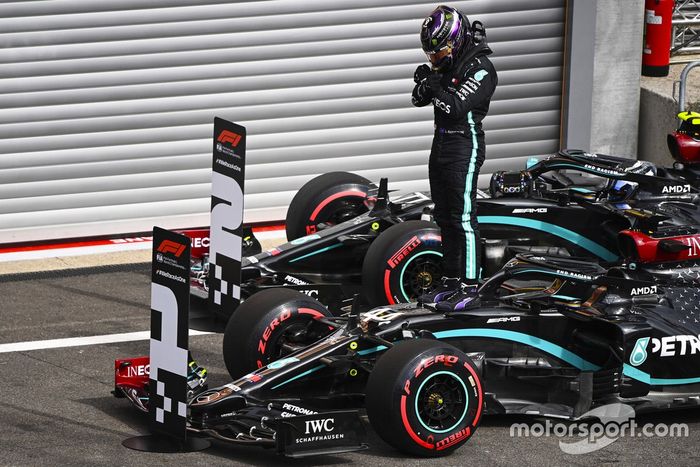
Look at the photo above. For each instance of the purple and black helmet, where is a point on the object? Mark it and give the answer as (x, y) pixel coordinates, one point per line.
(443, 36)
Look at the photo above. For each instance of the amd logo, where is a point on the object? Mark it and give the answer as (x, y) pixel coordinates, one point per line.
(650, 290)
(325, 425)
(676, 189)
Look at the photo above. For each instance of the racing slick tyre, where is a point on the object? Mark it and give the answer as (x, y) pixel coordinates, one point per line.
(330, 198)
(403, 263)
(424, 397)
(269, 325)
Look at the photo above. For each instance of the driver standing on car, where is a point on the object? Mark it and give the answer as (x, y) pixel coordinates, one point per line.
(459, 85)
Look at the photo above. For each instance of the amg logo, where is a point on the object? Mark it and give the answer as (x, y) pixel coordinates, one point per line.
(295, 281)
(530, 211)
(229, 137)
(644, 290)
(576, 275)
(168, 246)
(506, 319)
(676, 189)
(318, 426)
(403, 252)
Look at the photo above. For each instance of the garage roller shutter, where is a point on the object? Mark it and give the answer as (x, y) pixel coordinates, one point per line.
(106, 108)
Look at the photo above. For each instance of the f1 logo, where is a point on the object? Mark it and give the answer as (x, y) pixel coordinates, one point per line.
(229, 137)
(168, 246)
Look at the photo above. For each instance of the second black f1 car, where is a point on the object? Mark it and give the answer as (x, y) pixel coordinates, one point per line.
(587, 338)
(346, 235)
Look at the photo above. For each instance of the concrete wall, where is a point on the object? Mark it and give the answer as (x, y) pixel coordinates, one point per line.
(658, 110)
(603, 75)
(657, 118)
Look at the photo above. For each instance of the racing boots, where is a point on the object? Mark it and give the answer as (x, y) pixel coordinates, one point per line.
(448, 287)
(466, 297)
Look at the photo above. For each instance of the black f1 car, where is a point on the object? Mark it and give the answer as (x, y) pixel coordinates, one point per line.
(346, 234)
(588, 337)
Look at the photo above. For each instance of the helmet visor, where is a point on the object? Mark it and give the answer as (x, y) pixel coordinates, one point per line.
(438, 56)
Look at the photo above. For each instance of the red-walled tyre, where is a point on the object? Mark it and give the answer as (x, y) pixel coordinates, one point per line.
(269, 325)
(424, 397)
(402, 263)
(330, 198)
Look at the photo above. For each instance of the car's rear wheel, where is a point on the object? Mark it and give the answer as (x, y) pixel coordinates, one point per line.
(330, 199)
(403, 263)
(424, 397)
(269, 325)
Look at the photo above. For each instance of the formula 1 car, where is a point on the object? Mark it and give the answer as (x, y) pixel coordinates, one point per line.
(587, 338)
(346, 235)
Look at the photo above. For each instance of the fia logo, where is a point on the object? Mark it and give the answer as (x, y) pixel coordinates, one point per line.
(317, 426)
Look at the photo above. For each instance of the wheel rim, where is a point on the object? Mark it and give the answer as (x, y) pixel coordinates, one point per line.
(291, 338)
(420, 274)
(337, 212)
(442, 401)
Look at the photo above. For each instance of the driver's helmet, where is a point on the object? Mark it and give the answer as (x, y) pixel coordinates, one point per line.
(621, 190)
(444, 34)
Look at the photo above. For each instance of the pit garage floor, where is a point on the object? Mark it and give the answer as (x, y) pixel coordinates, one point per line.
(56, 407)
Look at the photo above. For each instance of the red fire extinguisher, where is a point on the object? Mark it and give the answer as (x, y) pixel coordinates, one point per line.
(657, 43)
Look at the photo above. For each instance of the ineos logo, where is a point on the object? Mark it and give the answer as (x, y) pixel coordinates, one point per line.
(202, 242)
(441, 105)
(317, 426)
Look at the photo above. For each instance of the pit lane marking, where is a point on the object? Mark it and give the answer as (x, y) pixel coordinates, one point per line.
(82, 341)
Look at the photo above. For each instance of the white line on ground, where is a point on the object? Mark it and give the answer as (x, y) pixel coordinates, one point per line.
(79, 341)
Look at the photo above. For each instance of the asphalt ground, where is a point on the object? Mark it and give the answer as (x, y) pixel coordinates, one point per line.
(56, 407)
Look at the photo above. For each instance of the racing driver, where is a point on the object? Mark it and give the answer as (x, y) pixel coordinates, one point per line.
(459, 86)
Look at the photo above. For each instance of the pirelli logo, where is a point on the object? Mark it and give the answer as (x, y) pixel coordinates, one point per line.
(168, 246)
(229, 137)
(403, 252)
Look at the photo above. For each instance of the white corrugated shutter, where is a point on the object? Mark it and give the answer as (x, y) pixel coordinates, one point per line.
(106, 108)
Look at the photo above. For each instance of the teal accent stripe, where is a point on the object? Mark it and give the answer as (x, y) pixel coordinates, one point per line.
(300, 375)
(566, 297)
(317, 252)
(639, 375)
(470, 237)
(546, 346)
(378, 348)
(568, 235)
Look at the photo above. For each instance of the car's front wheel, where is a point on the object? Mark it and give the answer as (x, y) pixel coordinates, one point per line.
(269, 325)
(424, 397)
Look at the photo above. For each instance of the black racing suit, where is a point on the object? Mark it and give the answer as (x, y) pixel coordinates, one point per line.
(457, 153)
